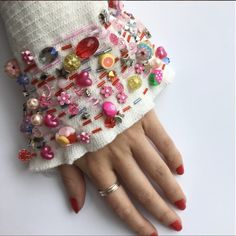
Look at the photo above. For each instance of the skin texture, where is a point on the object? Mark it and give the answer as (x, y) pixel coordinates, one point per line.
(143, 151)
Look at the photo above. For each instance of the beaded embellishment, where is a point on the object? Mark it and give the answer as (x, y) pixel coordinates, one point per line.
(66, 82)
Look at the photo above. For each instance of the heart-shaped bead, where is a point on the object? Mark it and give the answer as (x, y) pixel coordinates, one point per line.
(51, 121)
(83, 79)
(47, 152)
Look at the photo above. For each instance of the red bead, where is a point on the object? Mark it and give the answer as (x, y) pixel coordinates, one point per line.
(25, 155)
(87, 47)
(160, 53)
(110, 122)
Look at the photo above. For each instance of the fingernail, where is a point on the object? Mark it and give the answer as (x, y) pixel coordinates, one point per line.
(177, 226)
(74, 205)
(181, 204)
(180, 170)
(154, 234)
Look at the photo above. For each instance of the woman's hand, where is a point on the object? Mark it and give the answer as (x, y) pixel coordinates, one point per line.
(128, 159)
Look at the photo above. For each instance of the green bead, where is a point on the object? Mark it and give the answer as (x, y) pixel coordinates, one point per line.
(152, 80)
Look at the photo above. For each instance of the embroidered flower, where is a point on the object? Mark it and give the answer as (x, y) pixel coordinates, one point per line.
(12, 68)
(64, 98)
(84, 137)
(106, 91)
(139, 68)
(73, 109)
(121, 97)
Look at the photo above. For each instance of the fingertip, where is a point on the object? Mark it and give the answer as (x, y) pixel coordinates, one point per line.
(180, 170)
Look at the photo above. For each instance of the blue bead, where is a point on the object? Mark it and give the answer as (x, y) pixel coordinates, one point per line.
(23, 79)
(166, 60)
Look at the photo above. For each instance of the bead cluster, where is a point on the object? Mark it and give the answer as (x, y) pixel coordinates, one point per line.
(49, 105)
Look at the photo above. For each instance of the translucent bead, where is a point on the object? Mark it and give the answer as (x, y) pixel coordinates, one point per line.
(71, 62)
(87, 47)
(48, 55)
(134, 82)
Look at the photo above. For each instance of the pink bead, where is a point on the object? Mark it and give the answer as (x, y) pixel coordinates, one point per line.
(114, 39)
(84, 137)
(27, 57)
(47, 153)
(160, 53)
(83, 79)
(66, 131)
(109, 109)
(51, 121)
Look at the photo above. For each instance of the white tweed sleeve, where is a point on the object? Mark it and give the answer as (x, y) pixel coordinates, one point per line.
(88, 70)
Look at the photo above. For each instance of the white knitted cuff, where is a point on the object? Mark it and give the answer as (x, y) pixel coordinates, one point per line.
(34, 25)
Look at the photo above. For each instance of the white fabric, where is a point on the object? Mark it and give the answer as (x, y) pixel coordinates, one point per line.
(34, 25)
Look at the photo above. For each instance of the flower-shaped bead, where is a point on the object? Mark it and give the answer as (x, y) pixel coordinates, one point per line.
(12, 68)
(64, 98)
(84, 137)
(106, 91)
(27, 57)
(121, 97)
(73, 109)
(139, 68)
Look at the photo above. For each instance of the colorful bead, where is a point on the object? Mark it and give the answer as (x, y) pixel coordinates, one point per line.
(106, 91)
(12, 68)
(66, 136)
(25, 155)
(71, 62)
(73, 109)
(83, 79)
(51, 121)
(144, 51)
(109, 109)
(110, 122)
(48, 55)
(23, 80)
(160, 53)
(27, 57)
(134, 82)
(84, 137)
(155, 77)
(33, 104)
(114, 39)
(107, 60)
(64, 99)
(87, 47)
(111, 74)
(47, 152)
(37, 119)
(139, 68)
(104, 17)
(121, 97)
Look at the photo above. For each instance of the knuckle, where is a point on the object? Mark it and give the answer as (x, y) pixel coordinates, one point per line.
(161, 172)
(146, 197)
(124, 212)
(68, 180)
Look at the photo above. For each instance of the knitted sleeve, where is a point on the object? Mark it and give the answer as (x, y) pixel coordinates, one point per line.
(88, 70)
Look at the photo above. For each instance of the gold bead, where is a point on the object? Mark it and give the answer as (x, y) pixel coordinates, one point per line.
(71, 62)
(32, 104)
(36, 119)
(134, 82)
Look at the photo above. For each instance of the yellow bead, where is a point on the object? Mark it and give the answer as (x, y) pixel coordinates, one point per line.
(71, 62)
(107, 60)
(134, 82)
(62, 140)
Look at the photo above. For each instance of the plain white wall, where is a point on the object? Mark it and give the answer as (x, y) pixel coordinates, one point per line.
(197, 110)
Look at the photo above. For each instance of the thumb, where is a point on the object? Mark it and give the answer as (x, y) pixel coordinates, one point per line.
(73, 180)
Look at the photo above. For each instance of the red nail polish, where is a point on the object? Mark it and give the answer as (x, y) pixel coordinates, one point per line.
(177, 226)
(180, 170)
(74, 205)
(154, 234)
(181, 204)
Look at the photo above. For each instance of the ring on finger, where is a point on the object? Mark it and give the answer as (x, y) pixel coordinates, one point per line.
(109, 190)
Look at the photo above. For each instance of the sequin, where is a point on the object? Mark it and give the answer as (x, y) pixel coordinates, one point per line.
(48, 55)
(71, 62)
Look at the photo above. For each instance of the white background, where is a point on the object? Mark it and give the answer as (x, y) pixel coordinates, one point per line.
(197, 110)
